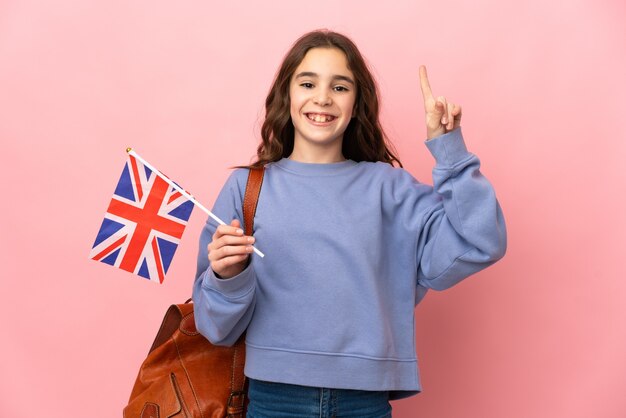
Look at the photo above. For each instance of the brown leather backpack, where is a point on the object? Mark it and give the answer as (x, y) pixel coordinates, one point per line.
(184, 375)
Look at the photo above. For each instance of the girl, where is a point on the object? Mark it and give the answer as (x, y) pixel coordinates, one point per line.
(352, 243)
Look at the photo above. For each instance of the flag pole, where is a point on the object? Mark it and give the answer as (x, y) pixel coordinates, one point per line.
(130, 151)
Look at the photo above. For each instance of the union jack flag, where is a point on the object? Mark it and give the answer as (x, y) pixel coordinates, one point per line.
(143, 223)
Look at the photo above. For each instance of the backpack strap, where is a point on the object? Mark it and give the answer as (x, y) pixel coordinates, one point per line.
(235, 407)
(251, 198)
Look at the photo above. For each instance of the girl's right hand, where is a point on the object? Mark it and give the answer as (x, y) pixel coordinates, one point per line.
(229, 250)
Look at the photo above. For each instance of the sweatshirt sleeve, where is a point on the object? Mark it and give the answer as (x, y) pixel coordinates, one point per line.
(223, 307)
(463, 231)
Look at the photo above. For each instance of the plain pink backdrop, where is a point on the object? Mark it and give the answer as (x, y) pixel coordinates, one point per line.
(540, 334)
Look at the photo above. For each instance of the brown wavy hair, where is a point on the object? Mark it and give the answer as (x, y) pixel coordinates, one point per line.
(363, 139)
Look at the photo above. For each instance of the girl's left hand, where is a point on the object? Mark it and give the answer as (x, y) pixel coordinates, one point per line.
(441, 115)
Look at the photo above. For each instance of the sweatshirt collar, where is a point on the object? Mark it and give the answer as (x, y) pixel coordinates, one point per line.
(315, 169)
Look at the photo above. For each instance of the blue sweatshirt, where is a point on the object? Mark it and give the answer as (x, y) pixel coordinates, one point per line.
(350, 249)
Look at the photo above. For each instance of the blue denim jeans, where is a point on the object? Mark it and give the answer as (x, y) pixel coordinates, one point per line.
(279, 400)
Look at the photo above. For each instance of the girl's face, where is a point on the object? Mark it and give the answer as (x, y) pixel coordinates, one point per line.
(322, 93)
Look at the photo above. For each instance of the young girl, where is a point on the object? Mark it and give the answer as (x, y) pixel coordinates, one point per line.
(351, 242)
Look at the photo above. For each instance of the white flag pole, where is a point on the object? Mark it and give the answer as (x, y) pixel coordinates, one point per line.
(130, 151)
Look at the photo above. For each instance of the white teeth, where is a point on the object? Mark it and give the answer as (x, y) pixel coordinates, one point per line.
(320, 118)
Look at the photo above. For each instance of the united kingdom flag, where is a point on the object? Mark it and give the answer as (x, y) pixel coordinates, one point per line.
(143, 224)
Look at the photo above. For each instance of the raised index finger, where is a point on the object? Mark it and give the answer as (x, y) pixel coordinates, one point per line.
(425, 85)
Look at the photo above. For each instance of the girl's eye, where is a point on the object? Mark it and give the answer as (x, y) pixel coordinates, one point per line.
(307, 85)
(341, 88)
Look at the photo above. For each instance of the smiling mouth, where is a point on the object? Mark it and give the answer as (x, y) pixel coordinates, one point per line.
(317, 117)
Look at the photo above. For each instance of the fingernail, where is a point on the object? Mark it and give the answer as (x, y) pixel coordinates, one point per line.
(249, 249)
(240, 231)
(250, 239)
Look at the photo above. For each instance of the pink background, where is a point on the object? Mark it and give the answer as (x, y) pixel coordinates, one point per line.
(541, 334)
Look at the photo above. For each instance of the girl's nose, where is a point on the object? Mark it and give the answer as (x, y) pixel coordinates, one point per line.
(322, 99)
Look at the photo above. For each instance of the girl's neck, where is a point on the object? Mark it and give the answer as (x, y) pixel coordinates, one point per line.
(316, 155)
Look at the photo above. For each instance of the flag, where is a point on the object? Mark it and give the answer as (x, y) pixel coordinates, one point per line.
(143, 223)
